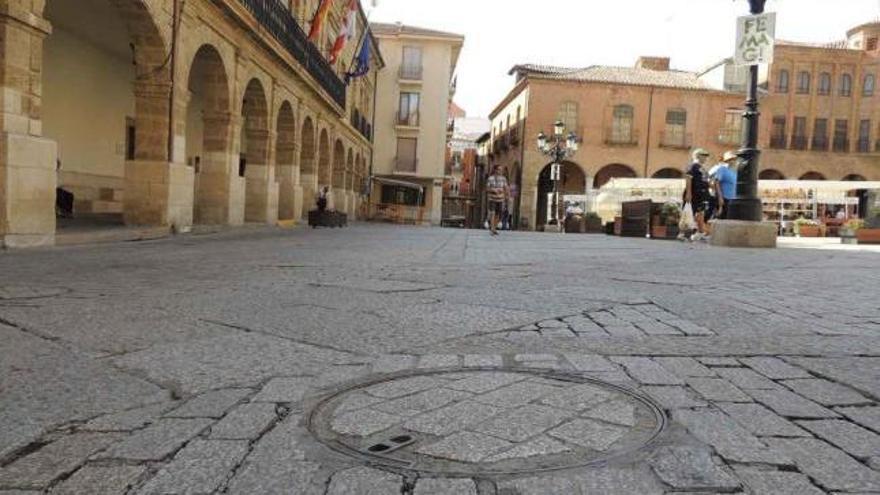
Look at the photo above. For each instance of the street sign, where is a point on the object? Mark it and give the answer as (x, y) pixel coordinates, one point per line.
(755, 36)
(554, 171)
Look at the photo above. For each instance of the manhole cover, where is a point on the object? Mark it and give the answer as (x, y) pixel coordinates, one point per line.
(486, 422)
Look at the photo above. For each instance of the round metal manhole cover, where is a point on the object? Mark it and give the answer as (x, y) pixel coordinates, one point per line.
(486, 422)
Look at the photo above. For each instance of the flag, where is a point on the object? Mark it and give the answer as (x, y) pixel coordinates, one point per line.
(347, 32)
(318, 20)
(362, 63)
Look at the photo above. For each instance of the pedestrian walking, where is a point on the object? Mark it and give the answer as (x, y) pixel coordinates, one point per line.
(697, 192)
(725, 177)
(498, 192)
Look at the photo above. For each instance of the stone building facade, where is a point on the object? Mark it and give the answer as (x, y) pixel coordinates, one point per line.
(643, 121)
(176, 112)
(412, 114)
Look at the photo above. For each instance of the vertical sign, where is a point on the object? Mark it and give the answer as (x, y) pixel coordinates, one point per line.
(554, 171)
(755, 36)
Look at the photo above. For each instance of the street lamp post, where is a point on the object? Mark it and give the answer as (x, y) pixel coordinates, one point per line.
(558, 147)
(747, 205)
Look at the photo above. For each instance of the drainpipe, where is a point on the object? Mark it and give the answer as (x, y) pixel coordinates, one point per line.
(175, 30)
(648, 137)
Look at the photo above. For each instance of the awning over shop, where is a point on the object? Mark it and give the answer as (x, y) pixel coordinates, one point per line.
(399, 183)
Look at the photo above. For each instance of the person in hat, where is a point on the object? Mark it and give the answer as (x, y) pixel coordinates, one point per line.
(697, 192)
(724, 177)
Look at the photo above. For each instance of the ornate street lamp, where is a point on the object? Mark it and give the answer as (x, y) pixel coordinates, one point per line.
(558, 148)
(747, 205)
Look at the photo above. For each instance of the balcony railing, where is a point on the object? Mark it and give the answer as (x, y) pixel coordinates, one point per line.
(864, 145)
(408, 120)
(279, 21)
(799, 142)
(778, 142)
(410, 73)
(514, 135)
(840, 145)
(819, 144)
(505, 142)
(730, 135)
(616, 137)
(676, 140)
(405, 164)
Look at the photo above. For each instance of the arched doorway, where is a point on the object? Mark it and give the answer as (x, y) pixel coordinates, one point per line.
(613, 171)
(812, 176)
(254, 153)
(325, 173)
(286, 173)
(668, 173)
(208, 129)
(103, 99)
(770, 174)
(573, 181)
(854, 178)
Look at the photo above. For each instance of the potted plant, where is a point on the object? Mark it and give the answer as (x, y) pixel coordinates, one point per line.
(804, 227)
(670, 216)
(593, 223)
(849, 229)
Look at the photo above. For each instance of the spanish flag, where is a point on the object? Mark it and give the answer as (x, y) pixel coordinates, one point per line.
(347, 32)
(318, 20)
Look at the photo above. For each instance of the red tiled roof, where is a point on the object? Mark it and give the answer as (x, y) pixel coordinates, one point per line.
(836, 45)
(618, 75)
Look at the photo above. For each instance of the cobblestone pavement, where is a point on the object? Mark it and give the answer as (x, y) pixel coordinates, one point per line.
(266, 361)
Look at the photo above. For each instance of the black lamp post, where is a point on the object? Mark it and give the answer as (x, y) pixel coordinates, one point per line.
(558, 148)
(747, 205)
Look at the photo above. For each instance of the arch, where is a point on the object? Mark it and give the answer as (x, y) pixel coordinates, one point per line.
(854, 178)
(668, 173)
(573, 181)
(254, 152)
(307, 148)
(770, 174)
(285, 161)
(207, 135)
(104, 62)
(338, 180)
(325, 173)
(812, 176)
(612, 171)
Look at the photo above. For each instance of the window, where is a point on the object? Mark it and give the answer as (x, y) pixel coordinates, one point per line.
(782, 83)
(799, 136)
(841, 135)
(820, 135)
(824, 83)
(872, 44)
(622, 126)
(409, 109)
(731, 133)
(864, 145)
(846, 85)
(406, 154)
(397, 195)
(868, 85)
(676, 125)
(803, 83)
(411, 67)
(568, 114)
(777, 134)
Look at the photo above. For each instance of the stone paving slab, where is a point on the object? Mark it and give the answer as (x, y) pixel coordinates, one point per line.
(245, 422)
(465, 447)
(868, 417)
(520, 424)
(452, 418)
(60, 457)
(674, 397)
(364, 481)
(765, 482)
(100, 480)
(830, 467)
(156, 441)
(428, 486)
(589, 433)
(827, 393)
(280, 390)
(790, 404)
(691, 469)
(201, 467)
(213, 404)
(853, 439)
(730, 440)
(761, 421)
(646, 371)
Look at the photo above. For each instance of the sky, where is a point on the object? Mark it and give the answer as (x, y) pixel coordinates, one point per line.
(577, 33)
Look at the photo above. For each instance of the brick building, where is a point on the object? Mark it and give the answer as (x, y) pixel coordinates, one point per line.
(170, 113)
(820, 118)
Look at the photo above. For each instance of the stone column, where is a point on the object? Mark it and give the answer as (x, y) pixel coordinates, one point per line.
(220, 192)
(27, 160)
(261, 191)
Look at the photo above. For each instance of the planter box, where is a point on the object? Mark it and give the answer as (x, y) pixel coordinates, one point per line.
(593, 225)
(810, 231)
(658, 232)
(868, 236)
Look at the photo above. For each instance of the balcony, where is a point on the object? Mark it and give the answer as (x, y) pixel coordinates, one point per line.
(280, 23)
(616, 137)
(819, 144)
(505, 142)
(410, 73)
(676, 141)
(407, 120)
(778, 142)
(799, 143)
(405, 165)
(840, 146)
(863, 145)
(514, 134)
